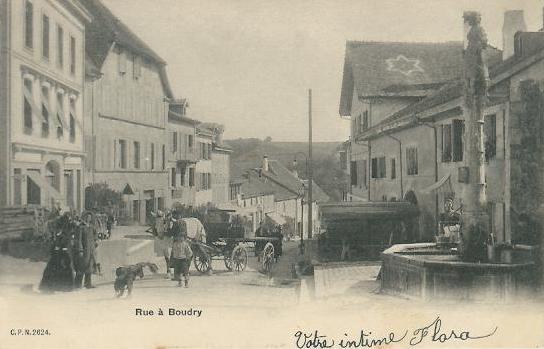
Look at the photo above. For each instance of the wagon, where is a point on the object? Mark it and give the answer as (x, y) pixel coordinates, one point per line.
(224, 240)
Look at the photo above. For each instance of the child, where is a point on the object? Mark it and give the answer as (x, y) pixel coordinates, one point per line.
(181, 258)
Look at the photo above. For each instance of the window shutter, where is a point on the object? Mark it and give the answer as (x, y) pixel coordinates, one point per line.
(458, 134)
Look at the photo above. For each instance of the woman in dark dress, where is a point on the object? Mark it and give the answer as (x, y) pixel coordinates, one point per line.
(58, 274)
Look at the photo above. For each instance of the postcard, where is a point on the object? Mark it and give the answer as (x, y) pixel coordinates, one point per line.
(271, 174)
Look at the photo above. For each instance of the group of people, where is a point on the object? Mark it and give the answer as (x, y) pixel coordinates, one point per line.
(72, 258)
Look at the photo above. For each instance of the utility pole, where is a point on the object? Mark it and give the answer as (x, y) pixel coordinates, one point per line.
(474, 215)
(310, 175)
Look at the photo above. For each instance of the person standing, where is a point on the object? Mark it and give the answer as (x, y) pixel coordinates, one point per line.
(84, 254)
(181, 258)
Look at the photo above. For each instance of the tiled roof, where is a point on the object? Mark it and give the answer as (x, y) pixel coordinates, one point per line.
(444, 94)
(393, 69)
(285, 184)
(253, 187)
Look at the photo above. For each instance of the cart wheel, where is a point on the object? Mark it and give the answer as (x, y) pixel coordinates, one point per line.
(239, 258)
(228, 262)
(202, 262)
(268, 257)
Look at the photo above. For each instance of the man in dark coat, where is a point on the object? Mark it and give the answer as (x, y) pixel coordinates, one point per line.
(84, 255)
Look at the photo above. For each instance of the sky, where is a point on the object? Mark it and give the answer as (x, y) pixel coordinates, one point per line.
(248, 64)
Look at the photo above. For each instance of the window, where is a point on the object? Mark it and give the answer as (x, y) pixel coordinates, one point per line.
(173, 177)
(136, 156)
(458, 135)
(364, 121)
(209, 181)
(72, 120)
(192, 177)
(72, 55)
(446, 143)
(122, 154)
(411, 161)
(60, 46)
(190, 142)
(45, 112)
(452, 141)
(60, 115)
(393, 169)
(209, 151)
(353, 172)
(152, 155)
(163, 157)
(137, 67)
(174, 142)
(378, 167)
(27, 106)
(45, 36)
(490, 137)
(29, 25)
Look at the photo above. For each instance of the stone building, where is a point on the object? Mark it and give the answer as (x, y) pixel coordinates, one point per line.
(41, 102)
(290, 193)
(408, 138)
(127, 106)
(203, 168)
(182, 155)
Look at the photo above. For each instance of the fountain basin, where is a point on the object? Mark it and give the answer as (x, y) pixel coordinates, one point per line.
(428, 272)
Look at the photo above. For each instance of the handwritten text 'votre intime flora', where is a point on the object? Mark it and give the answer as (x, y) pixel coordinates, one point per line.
(430, 333)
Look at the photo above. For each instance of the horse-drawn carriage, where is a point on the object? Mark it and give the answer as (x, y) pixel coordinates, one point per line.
(221, 237)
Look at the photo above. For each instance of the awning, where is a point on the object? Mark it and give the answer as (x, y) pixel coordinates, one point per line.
(276, 218)
(358, 210)
(444, 184)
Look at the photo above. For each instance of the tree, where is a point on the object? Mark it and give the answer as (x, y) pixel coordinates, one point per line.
(100, 195)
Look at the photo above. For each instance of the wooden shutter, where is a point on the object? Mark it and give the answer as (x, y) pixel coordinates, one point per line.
(458, 134)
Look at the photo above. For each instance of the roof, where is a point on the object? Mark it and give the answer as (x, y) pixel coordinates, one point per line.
(253, 187)
(361, 210)
(106, 22)
(402, 69)
(447, 92)
(318, 194)
(106, 29)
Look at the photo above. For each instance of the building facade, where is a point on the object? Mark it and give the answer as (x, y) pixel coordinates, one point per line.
(416, 150)
(41, 102)
(203, 172)
(128, 97)
(182, 156)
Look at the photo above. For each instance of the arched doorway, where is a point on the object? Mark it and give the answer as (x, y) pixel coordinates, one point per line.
(411, 197)
(52, 174)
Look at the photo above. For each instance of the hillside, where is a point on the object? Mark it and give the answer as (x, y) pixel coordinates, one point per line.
(248, 152)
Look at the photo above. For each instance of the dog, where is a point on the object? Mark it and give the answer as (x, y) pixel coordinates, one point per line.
(125, 277)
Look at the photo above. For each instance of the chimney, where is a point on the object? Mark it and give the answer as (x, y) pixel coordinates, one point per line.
(265, 163)
(513, 22)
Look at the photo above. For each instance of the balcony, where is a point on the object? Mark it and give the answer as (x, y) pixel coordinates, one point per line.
(184, 155)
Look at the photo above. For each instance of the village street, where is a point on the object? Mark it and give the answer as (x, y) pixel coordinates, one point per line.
(244, 310)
